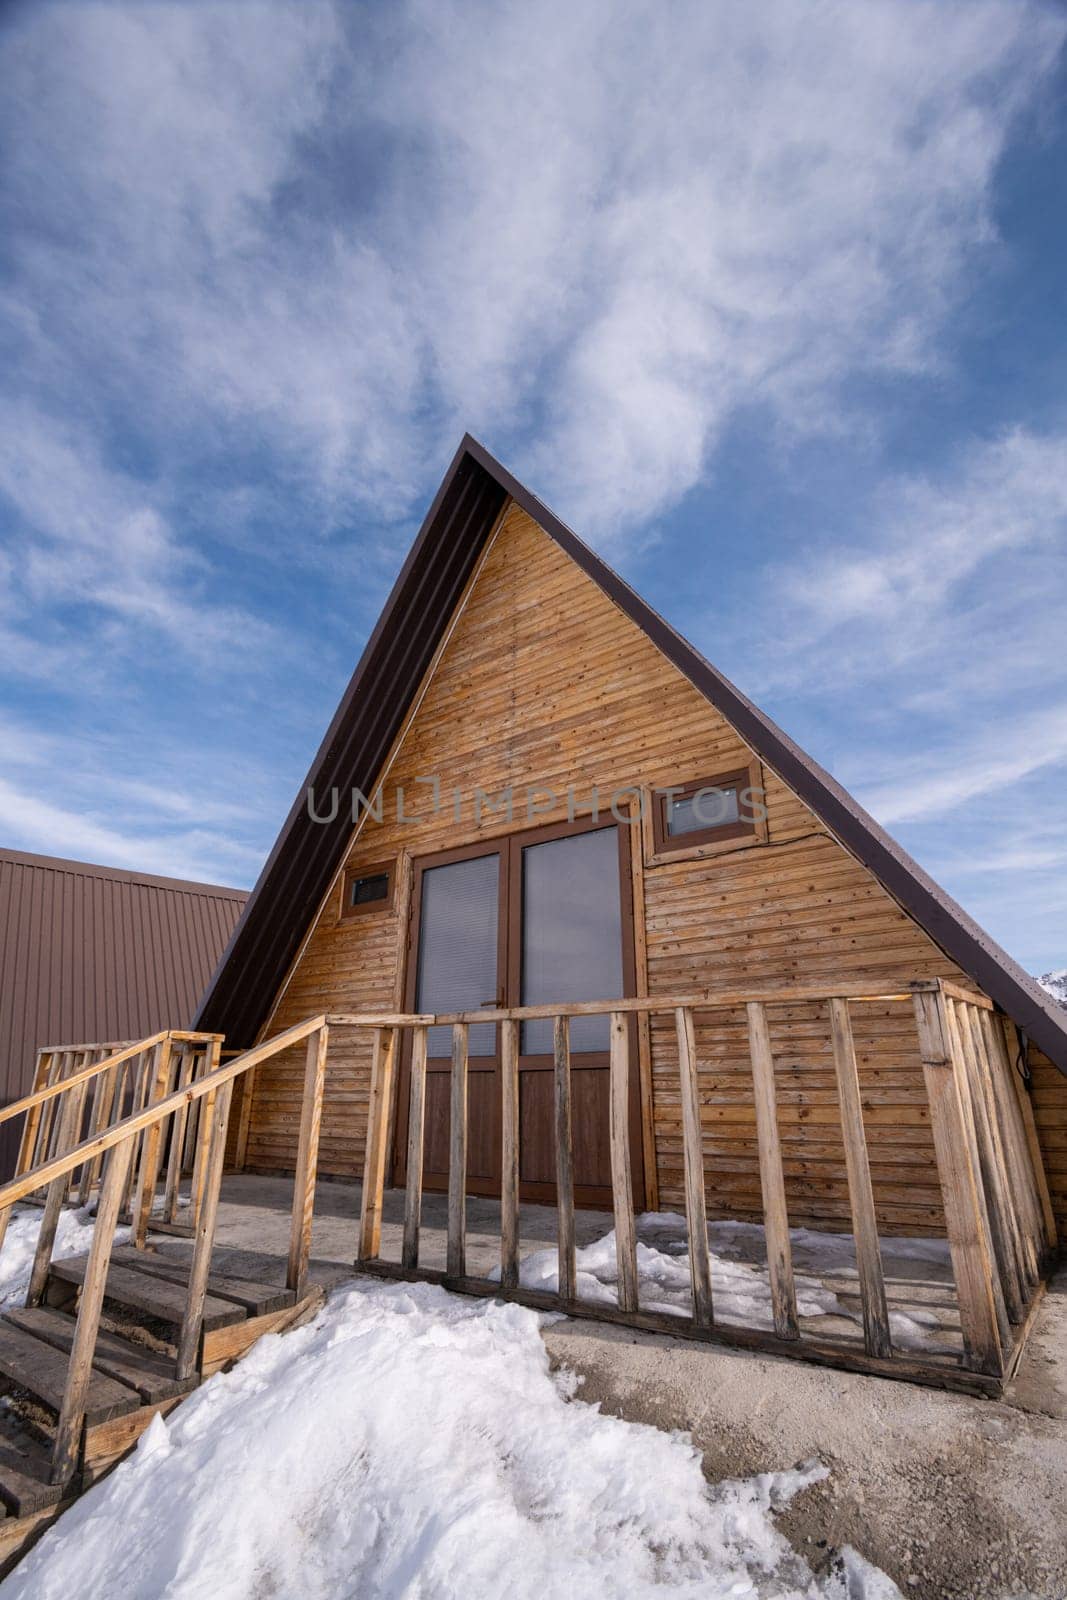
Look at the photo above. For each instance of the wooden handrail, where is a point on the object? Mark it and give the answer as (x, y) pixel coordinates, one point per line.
(707, 1000)
(39, 1096)
(59, 1166)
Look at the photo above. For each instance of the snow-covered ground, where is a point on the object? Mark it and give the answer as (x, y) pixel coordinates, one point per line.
(74, 1235)
(1056, 984)
(740, 1282)
(413, 1445)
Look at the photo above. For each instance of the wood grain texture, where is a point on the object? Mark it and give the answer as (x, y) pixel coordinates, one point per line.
(561, 1052)
(543, 682)
(876, 1334)
(772, 1178)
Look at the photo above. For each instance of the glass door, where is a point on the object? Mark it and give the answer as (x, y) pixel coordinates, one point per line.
(534, 919)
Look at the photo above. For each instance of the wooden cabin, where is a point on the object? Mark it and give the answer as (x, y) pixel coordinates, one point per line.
(557, 799)
(558, 916)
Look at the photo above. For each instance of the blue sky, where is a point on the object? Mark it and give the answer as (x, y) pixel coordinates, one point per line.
(772, 297)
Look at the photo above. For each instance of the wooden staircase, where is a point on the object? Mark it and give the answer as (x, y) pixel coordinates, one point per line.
(108, 1340)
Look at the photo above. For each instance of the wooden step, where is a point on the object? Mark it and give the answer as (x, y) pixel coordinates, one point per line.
(155, 1297)
(38, 1366)
(25, 1474)
(257, 1298)
(149, 1375)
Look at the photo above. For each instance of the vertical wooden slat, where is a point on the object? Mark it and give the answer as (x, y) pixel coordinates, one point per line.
(31, 1126)
(204, 1111)
(1013, 1050)
(561, 1043)
(456, 1255)
(1006, 1081)
(971, 1264)
(91, 1299)
(204, 1238)
(79, 1061)
(370, 1213)
(307, 1161)
(416, 1138)
(140, 1078)
(152, 1145)
(1014, 1192)
(100, 1090)
(693, 1152)
(621, 1181)
(178, 1122)
(509, 1163)
(877, 1339)
(989, 1171)
(772, 1179)
(963, 1078)
(69, 1120)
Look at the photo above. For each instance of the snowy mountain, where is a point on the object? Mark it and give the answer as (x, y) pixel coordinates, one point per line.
(1056, 984)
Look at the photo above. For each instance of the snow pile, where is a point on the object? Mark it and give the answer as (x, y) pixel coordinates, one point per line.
(410, 1443)
(74, 1235)
(740, 1288)
(1056, 984)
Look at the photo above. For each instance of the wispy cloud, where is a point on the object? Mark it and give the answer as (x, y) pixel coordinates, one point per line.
(346, 233)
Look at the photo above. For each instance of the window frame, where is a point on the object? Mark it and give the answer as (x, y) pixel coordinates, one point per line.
(377, 869)
(745, 829)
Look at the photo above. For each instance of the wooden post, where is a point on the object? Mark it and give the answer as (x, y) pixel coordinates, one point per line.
(771, 1177)
(416, 1137)
(373, 1193)
(307, 1161)
(693, 1150)
(140, 1073)
(151, 1147)
(204, 1238)
(876, 1335)
(568, 1277)
(509, 1165)
(79, 1060)
(971, 1264)
(98, 1118)
(83, 1347)
(69, 1120)
(456, 1255)
(621, 1180)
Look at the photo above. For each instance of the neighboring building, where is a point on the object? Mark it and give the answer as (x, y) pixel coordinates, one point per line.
(94, 954)
(510, 658)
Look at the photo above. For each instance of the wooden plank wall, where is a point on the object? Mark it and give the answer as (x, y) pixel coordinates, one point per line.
(544, 683)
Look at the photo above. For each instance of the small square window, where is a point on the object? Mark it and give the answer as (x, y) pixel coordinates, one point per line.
(367, 889)
(706, 811)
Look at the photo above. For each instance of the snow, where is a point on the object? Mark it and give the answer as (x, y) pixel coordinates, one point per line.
(1056, 984)
(740, 1288)
(74, 1235)
(410, 1443)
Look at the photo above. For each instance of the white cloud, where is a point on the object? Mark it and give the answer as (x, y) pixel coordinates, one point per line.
(348, 235)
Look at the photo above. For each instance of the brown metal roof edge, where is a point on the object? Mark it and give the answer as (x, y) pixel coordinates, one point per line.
(956, 933)
(88, 869)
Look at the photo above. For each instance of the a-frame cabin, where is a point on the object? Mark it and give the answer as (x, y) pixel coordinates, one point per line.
(598, 935)
(512, 667)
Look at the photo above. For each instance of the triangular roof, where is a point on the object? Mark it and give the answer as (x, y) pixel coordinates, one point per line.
(306, 855)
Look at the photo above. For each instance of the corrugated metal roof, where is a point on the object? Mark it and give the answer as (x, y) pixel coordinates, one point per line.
(91, 953)
(306, 854)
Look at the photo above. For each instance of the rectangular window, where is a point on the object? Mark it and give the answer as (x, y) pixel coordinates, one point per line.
(367, 889)
(705, 811)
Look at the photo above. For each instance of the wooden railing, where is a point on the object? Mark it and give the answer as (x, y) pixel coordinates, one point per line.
(203, 1102)
(80, 1090)
(997, 1214)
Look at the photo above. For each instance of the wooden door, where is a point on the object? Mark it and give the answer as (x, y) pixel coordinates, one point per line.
(533, 918)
